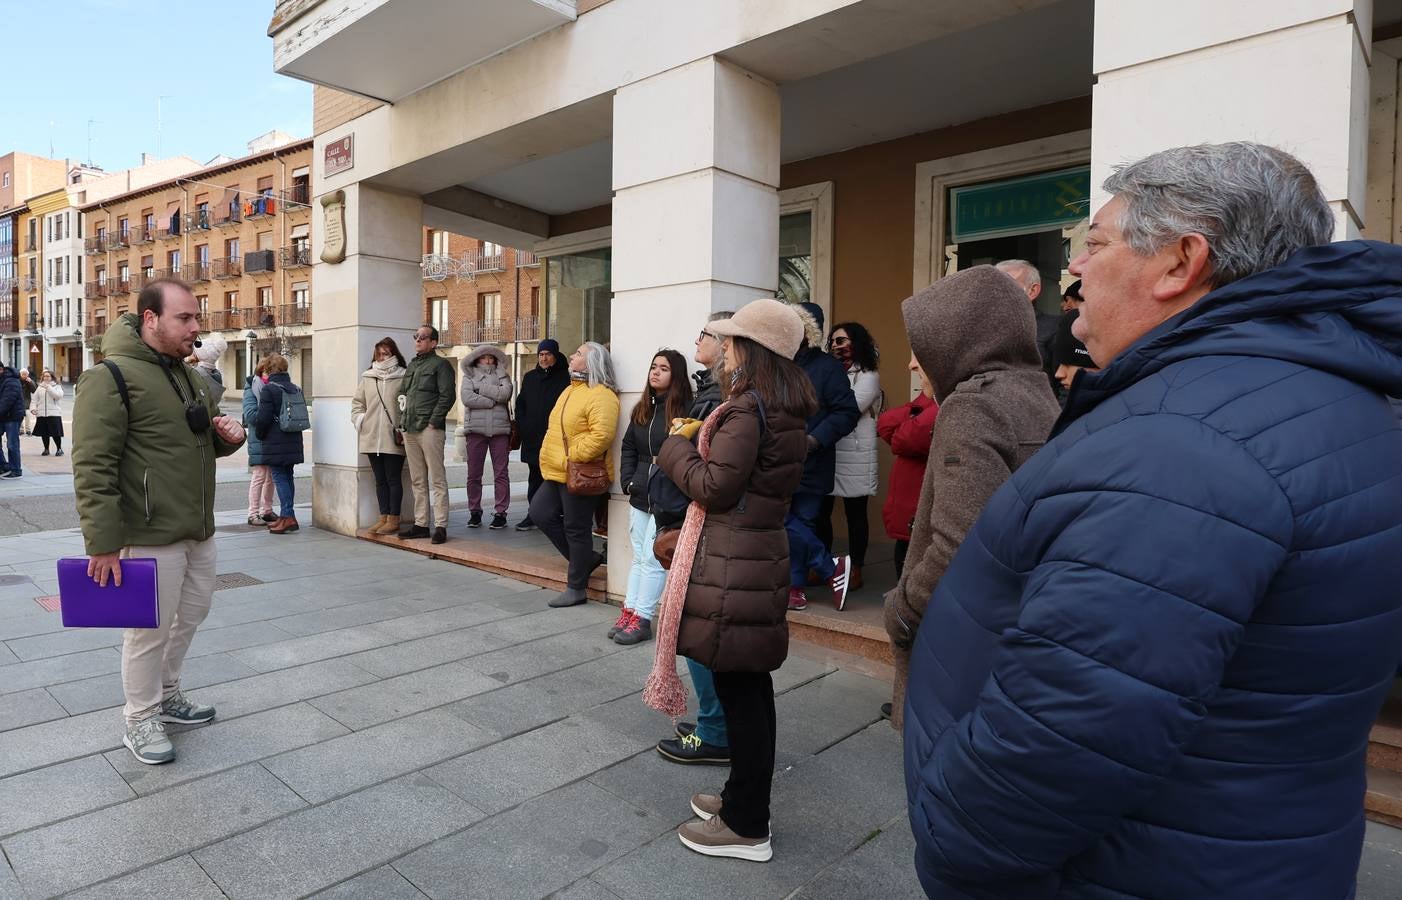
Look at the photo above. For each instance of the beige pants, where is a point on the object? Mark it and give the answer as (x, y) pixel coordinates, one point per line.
(424, 451)
(152, 657)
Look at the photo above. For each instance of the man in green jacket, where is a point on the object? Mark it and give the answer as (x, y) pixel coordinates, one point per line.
(143, 473)
(425, 396)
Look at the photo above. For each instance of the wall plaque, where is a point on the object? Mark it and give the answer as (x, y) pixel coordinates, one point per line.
(333, 223)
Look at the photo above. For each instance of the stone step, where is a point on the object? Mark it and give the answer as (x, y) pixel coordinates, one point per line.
(1383, 801)
(1385, 740)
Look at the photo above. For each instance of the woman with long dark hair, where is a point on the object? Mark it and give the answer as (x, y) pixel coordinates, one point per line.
(668, 397)
(855, 480)
(726, 598)
(374, 413)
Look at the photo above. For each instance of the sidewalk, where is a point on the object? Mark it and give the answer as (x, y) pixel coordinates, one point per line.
(390, 725)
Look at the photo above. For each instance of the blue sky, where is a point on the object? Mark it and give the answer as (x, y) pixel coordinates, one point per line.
(211, 61)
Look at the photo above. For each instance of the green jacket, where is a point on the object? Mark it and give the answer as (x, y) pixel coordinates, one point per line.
(142, 479)
(429, 388)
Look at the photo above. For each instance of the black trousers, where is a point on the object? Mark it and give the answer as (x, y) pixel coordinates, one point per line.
(858, 530)
(567, 520)
(748, 701)
(389, 482)
(901, 548)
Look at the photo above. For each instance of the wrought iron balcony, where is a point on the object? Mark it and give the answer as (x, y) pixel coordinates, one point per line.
(225, 319)
(140, 234)
(119, 285)
(231, 216)
(226, 267)
(480, 260)
(295, 257)
(292, 314)
(119, 240)
(197, 220)
(94, 289)
(485, 331)
(526, 259)
(195, 272)
(527, 329)
(144, 278)
(259, 316)
(166, 232)
(173, 272)
(32, 322)
(300, 193)
(94, 245)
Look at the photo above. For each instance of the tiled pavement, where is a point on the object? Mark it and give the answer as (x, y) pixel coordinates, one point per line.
(396, 727)
(393, 726)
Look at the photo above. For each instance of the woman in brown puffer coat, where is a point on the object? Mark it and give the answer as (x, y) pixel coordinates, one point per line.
(733, 621)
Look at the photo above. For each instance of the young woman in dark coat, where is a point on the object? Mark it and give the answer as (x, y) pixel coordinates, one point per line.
(281, 449)
(733, 621)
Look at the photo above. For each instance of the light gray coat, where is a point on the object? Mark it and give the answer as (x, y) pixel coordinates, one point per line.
(485, 392)
(856, 452)
(374, 412)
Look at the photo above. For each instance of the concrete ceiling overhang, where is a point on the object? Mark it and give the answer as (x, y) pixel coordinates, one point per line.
(340, 42)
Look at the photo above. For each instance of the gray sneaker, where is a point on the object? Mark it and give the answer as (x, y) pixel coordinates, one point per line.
(179, 708)
(147, 741)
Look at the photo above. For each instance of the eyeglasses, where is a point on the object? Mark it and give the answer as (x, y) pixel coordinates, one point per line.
(841, 341)
(708, 334)
(423, 337)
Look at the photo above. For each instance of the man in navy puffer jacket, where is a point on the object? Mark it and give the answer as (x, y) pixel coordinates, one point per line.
(1151, 669)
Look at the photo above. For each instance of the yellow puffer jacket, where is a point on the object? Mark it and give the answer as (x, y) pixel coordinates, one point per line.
(591, 416)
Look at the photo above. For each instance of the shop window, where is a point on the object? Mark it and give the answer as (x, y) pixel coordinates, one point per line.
(578, 294)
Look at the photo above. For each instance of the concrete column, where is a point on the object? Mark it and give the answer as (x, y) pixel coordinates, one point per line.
(376, 291)
(1294, 75)
(695, 220)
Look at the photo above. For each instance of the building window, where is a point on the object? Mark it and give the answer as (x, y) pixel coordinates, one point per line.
(173, 260)
(231, 248)
(66, 268)
(438, 316)
(123, 227)
(301, 295)
(5, 180)
(265, 240)
(124, 275)
(66, 231)
(101, 275)
(535, 301)
(265, 297)
(203, 301)
(231, 300)
(438, 243)
(489, 306)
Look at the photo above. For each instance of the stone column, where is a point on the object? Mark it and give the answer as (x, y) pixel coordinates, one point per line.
(376, 291)
(695, 221)
(1293, 75)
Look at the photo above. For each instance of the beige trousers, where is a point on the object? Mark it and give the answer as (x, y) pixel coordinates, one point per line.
(152, 657)
(424, 451)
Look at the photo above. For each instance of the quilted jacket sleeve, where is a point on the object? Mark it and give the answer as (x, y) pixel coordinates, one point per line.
(1147, 547)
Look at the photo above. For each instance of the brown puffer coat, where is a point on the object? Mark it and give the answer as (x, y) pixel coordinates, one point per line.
(738, 595)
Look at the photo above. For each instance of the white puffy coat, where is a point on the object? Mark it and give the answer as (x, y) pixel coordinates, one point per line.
(856, 453)
(47, 400)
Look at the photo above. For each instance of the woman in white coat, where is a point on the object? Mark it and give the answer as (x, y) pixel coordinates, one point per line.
(855, 482)
(486, 389)
(374, 412)
(47, 410)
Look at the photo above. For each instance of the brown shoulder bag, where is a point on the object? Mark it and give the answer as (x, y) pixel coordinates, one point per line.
(583, 479)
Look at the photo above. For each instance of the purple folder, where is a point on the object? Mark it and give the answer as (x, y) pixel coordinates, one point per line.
(85, 605)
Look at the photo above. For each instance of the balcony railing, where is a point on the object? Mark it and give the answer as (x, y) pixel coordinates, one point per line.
(140, 234)
(29, 283)
(527, 328)
(526, 259)
(167, 232)
(226, 267)
(260, 206)
(119, 240)
(480, 260)
(95, 245)
(300, 193)
(144, 278)
(232, 215)
(165, 273)
(295, 257)
(195, 272)
(197, 220)
(225, 319)
(501, 331)
(293, 314)
(95, 331)
(94, 289)
(30, 244)
(259, 316)
(119, 285)
(32, 322)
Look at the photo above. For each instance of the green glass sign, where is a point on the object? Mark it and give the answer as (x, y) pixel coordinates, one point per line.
(1019, 205)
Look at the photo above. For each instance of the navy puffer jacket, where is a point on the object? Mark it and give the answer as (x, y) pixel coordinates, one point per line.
(837, 415)
(1151, 669)
(276, 447)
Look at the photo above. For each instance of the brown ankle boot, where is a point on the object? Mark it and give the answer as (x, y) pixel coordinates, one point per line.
(379, 523)
(389, 526)
(284, 525)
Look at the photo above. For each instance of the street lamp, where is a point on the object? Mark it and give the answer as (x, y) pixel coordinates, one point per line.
(249, 337)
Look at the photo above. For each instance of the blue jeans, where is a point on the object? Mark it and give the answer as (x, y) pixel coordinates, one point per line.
(12, 443)
(647, 577)
(282, 480)
(806, 549)
(710, 718)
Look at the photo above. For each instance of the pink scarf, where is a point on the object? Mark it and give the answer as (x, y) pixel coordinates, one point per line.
(664, 691)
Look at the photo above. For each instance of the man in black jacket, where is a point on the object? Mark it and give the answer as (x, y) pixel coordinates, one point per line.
(540, 388)
(12, 407)
(837, 415)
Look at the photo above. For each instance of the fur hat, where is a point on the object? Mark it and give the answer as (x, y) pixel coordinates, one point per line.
(772, 324)
(210, 349)
(812, 327)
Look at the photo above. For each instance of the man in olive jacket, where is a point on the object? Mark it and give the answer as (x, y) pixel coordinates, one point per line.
(143, 474)
(425, 396)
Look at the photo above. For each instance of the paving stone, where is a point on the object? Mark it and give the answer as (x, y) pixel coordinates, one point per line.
(426, 652)
(661, 787)
(28, 708)
(585, 889)
(7, 656)
(235, 637)
(537, 625)
(250, 695)
(796, 671)
(335, 767)
(629, 716)
(392, 698)
(823, 712)
(31, 620)
(530, 704)
(538, 847)
(451, 618)
(205, 749)
(57, 792)
(506, 773)
(300, 651)
(101, 844)
(1380, 869)
(9, 884)
(58, 669)
(175, 879)
(70, 640)
(880, 867)
(844, 793)
(105, 691)
(365, 613)
(321, 846)
(383, 883)
(523, 661)
(62, 739)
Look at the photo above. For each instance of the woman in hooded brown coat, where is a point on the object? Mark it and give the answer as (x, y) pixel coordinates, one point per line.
(733, 621)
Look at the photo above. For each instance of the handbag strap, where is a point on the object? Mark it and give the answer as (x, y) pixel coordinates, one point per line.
(383, 407)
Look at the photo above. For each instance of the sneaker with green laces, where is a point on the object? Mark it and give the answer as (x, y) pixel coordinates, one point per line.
(147, 741)
(180, 709)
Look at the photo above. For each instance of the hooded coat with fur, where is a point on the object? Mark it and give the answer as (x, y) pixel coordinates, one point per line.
(975, 335)
(485, 392)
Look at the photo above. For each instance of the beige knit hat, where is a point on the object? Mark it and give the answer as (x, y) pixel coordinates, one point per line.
(772, 324)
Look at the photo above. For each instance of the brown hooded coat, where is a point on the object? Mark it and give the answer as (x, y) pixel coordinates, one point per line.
(975, 335)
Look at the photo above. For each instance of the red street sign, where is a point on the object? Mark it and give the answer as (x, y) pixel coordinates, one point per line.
(339, 156)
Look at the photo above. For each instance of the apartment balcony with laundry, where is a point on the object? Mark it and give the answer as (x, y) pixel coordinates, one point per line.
(260, 207)
(199, 220)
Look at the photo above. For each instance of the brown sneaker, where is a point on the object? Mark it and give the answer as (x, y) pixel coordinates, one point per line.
(705, 805)
(711, 837)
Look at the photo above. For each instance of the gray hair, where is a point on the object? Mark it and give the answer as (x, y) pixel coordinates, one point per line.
(600, 366)
(720, 315)
(1254, 204)
(1022, 271)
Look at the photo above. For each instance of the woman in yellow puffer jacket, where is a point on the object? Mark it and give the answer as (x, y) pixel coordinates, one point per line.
(586, 419)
